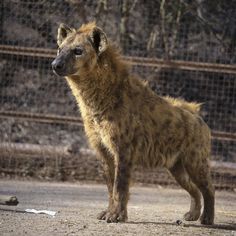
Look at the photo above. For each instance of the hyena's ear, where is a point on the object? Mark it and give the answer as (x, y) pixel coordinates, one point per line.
(63, 32)
(99, 40)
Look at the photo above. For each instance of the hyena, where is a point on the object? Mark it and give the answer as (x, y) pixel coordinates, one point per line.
(127, 123)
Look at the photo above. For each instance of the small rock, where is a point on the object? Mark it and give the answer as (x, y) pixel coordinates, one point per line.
(179, 222)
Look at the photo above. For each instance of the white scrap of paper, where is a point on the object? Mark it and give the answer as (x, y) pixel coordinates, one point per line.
(51, 213)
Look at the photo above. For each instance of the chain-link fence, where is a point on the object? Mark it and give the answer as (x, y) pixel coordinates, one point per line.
(184, 48)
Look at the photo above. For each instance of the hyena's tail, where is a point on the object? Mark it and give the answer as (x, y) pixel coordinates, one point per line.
(192, 107)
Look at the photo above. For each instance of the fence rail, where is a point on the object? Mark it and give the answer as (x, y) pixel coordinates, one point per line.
(140, 61)
(57, 119)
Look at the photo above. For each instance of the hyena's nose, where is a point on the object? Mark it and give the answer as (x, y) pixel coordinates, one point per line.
(58, 66)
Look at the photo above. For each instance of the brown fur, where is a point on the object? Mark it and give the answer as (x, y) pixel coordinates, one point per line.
(127, 123)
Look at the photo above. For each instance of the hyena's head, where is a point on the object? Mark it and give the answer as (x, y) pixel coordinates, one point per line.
(78, 49)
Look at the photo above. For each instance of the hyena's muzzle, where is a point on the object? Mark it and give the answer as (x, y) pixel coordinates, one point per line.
(63, 64)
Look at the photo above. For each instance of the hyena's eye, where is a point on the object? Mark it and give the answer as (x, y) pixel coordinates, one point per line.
(78, 51)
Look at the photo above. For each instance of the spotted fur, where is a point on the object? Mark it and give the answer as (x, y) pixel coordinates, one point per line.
(127, 123)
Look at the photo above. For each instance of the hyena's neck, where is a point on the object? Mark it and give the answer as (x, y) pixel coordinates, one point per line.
(100, 91)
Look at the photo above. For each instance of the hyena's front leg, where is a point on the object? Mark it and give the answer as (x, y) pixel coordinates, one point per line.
(123, 167)
(109, 173)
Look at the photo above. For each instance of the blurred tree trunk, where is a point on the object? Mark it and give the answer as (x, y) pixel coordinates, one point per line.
(1, 19)
(170, 23)
(127, 7)
(124, 24)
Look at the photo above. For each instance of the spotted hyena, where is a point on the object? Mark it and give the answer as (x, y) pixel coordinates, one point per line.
(127, 123)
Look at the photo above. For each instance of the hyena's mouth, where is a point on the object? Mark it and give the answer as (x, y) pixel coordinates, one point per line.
(56, 73)
(59, 73)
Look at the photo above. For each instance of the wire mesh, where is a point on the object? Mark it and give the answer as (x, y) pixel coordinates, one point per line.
(181, 31)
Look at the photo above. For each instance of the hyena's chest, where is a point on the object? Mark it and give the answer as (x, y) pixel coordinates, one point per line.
(101, 132)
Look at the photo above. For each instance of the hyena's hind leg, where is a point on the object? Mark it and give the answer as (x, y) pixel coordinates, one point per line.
(200, 175)
(182, 177)
(109, 174)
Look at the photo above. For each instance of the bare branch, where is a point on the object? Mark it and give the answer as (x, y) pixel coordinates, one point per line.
(163, 29)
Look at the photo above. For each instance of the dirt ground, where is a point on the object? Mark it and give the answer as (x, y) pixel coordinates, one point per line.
(152, 211)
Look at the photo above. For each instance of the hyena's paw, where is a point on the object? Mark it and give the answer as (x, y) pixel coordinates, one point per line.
(116, 216)
(191, 216)
(103, 215)
(206, 219)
